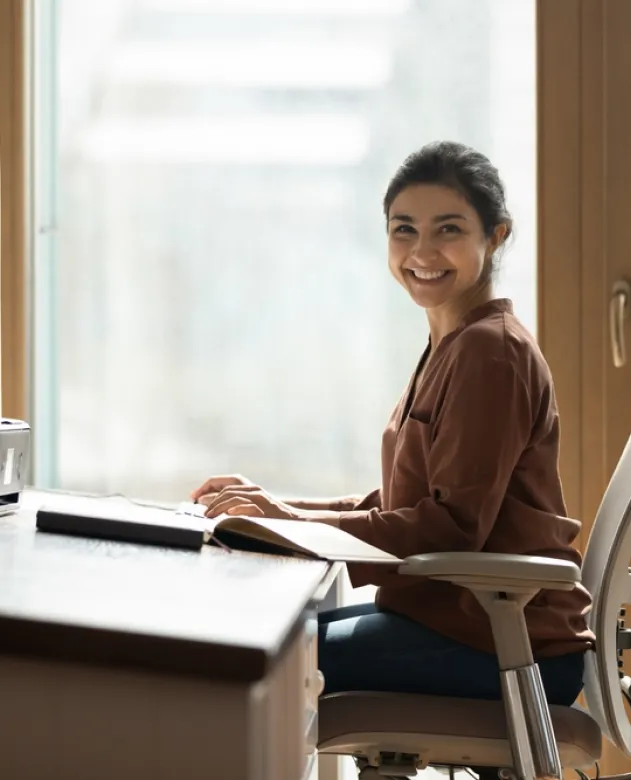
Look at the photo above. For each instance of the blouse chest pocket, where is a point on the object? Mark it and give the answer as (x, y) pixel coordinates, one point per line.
(417, 431)
(410, 468)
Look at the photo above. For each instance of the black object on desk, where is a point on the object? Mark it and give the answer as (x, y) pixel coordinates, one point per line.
(126, 524)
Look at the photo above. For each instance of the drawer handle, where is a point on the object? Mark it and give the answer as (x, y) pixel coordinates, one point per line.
(619, 306)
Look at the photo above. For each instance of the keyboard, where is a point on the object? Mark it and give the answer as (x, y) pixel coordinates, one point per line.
(190, 509)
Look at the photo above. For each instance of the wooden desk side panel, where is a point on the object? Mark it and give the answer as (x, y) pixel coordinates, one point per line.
(283, 713)
(65, 722)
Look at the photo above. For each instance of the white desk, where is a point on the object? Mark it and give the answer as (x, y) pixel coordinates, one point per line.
(131, 662)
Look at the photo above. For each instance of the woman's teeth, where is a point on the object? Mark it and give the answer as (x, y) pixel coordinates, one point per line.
(428, 275)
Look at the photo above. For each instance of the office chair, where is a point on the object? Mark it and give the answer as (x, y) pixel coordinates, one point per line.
(521, 737)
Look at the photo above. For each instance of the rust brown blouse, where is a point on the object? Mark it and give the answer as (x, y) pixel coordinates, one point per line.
(470, 462)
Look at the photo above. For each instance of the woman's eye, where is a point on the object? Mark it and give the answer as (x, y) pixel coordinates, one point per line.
(400, 229)
(450, 228)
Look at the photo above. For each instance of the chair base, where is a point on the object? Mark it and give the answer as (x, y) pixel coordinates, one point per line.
(439, 731)
(369, 772)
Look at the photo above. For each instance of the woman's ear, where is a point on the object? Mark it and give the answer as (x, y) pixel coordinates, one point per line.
(499, 236)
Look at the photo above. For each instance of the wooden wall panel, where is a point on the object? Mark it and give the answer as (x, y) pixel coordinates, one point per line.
(559, 213)
(12, 245)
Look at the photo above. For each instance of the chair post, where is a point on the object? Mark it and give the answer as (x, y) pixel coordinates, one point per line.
(530, 731)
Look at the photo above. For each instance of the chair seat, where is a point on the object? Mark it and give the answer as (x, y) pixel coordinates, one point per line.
(441, 730)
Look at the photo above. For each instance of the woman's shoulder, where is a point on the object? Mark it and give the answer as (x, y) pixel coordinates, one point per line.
(502, 337)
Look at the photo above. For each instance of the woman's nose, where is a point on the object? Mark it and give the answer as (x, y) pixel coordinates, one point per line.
(424, 247)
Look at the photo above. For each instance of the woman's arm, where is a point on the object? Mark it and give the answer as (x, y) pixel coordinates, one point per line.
(341, 504)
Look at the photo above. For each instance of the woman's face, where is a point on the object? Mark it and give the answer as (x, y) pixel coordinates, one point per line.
(436, 245)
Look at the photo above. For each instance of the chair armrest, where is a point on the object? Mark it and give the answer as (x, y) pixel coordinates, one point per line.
(495, 571)
(503, 585)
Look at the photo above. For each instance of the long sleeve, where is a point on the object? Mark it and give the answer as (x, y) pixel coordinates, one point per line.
(371, 501)
(352, 503)
(479, 432)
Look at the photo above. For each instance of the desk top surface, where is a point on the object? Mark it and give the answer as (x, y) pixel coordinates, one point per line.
(212, 613)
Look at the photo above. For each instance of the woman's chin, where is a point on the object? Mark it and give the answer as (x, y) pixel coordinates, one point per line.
(429, 296)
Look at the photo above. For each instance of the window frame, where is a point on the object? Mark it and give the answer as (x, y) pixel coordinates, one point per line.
(565, 46)
(13, 199)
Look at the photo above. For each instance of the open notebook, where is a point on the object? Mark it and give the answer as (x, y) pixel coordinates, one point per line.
(186, 527)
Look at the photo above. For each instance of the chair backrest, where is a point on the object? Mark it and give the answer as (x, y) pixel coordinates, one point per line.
(606, 576)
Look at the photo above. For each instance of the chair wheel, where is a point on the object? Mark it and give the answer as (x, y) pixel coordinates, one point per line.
(372, 773)
(486, 773)
(368, 773)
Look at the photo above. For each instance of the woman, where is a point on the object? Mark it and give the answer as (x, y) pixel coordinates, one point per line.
(469, 459)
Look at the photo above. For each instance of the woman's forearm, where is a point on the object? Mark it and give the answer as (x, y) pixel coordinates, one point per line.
(341, 504)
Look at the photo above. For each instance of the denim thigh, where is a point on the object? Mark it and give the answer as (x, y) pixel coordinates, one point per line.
(363, 648)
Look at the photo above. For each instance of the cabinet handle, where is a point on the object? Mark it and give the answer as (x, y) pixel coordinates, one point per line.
(618, 312)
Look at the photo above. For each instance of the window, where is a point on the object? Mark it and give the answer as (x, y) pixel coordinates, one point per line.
(211, 291)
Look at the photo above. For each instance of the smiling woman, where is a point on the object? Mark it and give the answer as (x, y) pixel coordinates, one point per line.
(469, 460)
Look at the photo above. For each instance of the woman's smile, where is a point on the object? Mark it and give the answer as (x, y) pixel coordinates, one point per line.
(423, 277)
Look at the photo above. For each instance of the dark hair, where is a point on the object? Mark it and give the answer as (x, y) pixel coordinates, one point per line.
(463, 169)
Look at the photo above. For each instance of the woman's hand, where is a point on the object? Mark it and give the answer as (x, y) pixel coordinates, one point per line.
(247, 499)
(216, 484)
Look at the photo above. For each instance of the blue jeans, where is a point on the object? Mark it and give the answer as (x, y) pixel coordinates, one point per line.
(363, 648)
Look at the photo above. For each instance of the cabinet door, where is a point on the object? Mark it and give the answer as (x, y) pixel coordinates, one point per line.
(584, 60)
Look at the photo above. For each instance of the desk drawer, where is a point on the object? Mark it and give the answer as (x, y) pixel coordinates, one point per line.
(311, 682)
(285, 718)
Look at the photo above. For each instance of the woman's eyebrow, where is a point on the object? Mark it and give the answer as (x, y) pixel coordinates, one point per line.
(402, 218)
(399, 217)
(445, 217)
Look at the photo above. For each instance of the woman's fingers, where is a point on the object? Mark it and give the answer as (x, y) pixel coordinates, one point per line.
(209, 499)
(245, 499)
(236, 489)
(246, 509)
(218, 483)
(229, 505)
